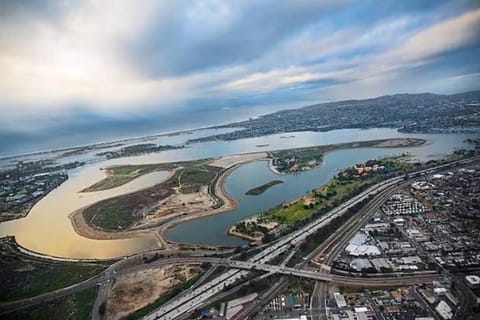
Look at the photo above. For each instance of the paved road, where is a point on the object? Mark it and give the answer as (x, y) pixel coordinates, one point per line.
(317, 301)
(330, 248)
(101, 299)
(256, 306)
(128, 264)
(189, 301)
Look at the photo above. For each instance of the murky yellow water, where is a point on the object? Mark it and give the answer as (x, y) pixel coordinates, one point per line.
(48, 230)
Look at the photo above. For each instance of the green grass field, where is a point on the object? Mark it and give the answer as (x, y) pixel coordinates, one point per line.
(191, 179)
(122, 174)
(289, 214)
(342, 185)
(119, 175)
(304, 158)
(77, 306)
(23, 276)
(297, 209)
(122, 212)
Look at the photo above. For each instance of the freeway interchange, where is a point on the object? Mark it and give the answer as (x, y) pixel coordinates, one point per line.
(191, 300)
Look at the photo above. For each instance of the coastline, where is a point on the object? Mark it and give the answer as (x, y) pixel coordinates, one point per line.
(230, 204)
(84, 229)
(240, 235)
(157, 229)
(107, 142)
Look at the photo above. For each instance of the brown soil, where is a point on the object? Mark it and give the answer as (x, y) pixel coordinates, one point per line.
(188, 206)
(85, 230)
(135, 290)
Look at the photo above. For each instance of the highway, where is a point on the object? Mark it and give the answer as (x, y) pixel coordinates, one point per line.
(330, 248)
(189, 302)
(192, 299)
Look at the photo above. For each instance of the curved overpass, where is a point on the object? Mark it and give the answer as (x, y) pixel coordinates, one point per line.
(188, 302)
(122, 268)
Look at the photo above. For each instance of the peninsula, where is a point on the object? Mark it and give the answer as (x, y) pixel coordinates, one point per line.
(192, 189)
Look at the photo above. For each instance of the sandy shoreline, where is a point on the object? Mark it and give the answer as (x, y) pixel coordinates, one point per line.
(230, 204)
(231, 232)
(158, 228)
(84, 229)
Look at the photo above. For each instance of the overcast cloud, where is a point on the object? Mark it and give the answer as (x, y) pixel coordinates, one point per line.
(119, 59)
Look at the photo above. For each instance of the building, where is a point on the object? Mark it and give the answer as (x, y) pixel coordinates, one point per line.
(444, 310)
(223, 309)
(340, 300)
(440, 291)
(473, 281)
(362, 250)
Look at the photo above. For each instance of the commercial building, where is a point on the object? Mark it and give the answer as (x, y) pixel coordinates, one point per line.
(473, 281)
(444, 310)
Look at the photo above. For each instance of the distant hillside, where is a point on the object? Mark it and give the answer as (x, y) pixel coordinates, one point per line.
(422, 112)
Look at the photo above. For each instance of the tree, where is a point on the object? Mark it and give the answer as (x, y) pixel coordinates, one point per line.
(205, 265)
(102, 308)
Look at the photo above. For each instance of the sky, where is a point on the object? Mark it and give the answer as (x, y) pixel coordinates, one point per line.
(73, 66)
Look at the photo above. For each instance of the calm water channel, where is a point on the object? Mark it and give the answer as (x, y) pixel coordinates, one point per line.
(47, 228)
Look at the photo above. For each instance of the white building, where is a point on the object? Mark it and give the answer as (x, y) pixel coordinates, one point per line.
(440, 291)
(473, 281)
(444, 310)
(340, 300)
(362, 250)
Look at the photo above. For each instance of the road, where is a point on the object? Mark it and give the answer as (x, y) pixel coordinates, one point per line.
(331, 248)
(128, 264)
(189, 301)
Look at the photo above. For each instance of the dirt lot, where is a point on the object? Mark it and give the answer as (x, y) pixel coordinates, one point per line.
(180, 203)
(229, 161)
(184, 194)
(136, 290)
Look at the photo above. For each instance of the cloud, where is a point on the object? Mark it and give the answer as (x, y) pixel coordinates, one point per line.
(129, 58)
(415, 49)
(76, 59)
(213, 34)
(441, 37)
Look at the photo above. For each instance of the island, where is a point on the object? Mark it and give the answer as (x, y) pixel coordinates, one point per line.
(193, 189)
(304, 159)
(137, 149)
(264, 187)
(184, 191)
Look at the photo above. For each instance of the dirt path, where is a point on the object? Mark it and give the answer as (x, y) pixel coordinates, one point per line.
(85, 230)
(156, 225)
